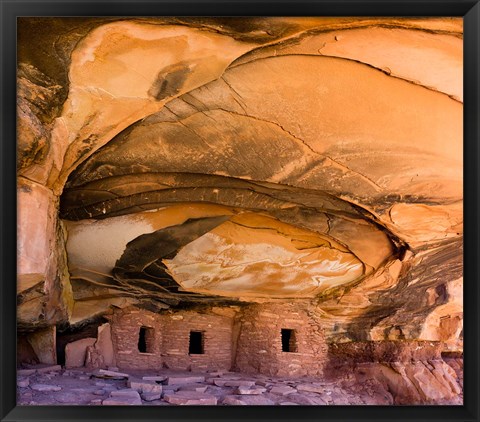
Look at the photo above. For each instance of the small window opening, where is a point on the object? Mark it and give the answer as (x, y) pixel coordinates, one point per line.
(195, 346)
(145, 340)
(289, 341)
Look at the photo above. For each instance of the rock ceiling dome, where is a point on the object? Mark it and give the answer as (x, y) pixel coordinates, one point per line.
(199, 161)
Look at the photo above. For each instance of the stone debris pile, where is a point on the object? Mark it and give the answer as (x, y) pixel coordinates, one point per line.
(51, 385)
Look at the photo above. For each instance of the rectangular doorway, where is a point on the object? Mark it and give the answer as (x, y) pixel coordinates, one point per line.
(196, 343)
(289, 340)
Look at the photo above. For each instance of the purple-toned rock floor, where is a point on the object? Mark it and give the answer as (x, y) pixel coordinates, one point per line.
(52, 385)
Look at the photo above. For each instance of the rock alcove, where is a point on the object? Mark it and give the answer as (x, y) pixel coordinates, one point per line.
(294, 183)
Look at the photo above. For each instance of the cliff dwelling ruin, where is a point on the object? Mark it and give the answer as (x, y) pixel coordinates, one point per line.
(231, 211)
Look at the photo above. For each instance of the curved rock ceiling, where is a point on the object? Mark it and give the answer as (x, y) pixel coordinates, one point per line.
(254, 160)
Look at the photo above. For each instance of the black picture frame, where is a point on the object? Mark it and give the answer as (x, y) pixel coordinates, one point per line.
(11, 9)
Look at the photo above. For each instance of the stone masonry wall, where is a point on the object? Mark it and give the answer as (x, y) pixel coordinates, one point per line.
(217, 333)
(260, 344)
(258, 347)
(126, 326)
(341, 354)
(170, 340)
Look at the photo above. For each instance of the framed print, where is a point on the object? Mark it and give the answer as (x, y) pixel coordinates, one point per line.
(240, 211)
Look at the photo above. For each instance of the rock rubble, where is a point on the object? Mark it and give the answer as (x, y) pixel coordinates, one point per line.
(431, 382)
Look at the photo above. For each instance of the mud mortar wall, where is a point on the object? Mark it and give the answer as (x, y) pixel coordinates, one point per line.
(383, 351)
(126, 326)
(169, 342)
(217, 341)
(260, 342)
(259, 347)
